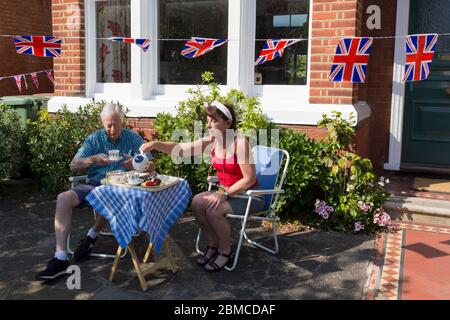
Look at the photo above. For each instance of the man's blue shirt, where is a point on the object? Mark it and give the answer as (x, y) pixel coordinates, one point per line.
(98, 142)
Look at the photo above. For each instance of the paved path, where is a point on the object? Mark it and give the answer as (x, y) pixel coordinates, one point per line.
(310, 265)
(412, 264)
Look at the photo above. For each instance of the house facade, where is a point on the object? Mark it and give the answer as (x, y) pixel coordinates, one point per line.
(400, 126)
(23, 18)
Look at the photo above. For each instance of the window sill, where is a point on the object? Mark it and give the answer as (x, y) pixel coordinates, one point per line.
(281, 112)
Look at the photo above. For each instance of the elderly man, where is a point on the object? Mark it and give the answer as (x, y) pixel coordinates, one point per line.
(93, 158)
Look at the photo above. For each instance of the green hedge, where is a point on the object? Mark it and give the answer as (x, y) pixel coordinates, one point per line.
(12, 151)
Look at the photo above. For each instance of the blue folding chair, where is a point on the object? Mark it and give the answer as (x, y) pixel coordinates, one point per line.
(268, 162)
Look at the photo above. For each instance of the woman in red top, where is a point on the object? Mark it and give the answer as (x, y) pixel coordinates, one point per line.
(232, 158)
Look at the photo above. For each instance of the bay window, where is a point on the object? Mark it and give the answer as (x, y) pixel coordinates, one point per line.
(118, 70)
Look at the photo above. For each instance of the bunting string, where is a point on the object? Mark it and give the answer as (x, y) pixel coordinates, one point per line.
(18, 78)
(237, 39)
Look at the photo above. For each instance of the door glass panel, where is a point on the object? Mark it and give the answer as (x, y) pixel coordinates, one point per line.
(433, 16)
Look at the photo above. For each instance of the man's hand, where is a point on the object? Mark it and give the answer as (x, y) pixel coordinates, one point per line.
(128, 163)
(100, 159)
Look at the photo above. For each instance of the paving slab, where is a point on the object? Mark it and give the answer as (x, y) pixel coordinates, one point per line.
(310, 264)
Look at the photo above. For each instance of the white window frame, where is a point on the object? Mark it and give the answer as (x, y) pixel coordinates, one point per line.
(104, 90)
(299, 93)
(284, 104)
(232, 52)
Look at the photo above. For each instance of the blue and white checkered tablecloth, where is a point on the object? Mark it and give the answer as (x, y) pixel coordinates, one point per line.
(130, 210)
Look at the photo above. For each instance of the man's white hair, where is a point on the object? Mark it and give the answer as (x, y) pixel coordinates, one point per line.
(111, 108)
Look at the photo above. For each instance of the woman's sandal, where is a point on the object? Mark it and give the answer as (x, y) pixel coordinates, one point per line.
(216, 267)
(205, 258)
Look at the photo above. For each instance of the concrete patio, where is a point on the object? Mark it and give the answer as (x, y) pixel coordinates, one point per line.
(310, 264)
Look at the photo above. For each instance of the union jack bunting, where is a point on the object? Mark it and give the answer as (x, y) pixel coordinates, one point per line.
(351, 59)
(273, 49)
(419, 55)
(35, 80)
(41, 46)
(49, 74)
(143, 43)
(18, 80)
(199, 46)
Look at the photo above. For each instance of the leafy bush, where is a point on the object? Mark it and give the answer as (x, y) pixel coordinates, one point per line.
(53, 140)
(352, 196)
(11, 143)
(304, 167)
(328, 170)
(191, 111)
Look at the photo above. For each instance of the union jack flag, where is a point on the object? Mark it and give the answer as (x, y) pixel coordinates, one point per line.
(419, 55)
(143, 43)
(199, 46)
(41, 46)
(273, 49)
(351, 59)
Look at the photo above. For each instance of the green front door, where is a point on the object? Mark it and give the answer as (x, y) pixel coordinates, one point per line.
(426, 130)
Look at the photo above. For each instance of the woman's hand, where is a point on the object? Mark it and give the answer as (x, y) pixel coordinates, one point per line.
(215, 199)
(148, 147)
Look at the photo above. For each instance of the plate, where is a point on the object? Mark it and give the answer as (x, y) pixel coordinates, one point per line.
(115, 159)
(138, 182)
(152, 187)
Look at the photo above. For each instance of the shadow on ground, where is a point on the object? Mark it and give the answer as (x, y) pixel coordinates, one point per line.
(310, 265)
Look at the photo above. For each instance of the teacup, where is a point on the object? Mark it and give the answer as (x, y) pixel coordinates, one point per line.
(141, 163)
(133, 177)
(116, 176)
(113, 154)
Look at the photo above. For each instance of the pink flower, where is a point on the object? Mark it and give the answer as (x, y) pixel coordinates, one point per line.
(359, 226)
(322, 209)
(381, 218)
(365, 207)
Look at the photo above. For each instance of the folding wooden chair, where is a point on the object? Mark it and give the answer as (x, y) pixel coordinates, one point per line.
(268, 162)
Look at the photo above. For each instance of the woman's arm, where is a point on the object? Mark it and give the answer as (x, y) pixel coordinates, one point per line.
(184, 149)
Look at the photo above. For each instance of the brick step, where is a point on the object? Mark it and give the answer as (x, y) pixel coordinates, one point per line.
(415, 209)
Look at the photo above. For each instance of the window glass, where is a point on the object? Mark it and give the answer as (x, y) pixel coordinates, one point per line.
(183, 19)
(283, 19)
(113, 58)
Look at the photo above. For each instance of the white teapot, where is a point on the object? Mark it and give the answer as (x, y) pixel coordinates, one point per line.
(140, 163)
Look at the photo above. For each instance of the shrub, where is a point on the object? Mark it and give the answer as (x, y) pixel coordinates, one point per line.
(53, 140)
(352, 197)
(303, 171)
(191, 111)
(11, 143)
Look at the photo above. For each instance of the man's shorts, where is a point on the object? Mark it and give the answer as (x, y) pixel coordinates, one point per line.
(82, 190)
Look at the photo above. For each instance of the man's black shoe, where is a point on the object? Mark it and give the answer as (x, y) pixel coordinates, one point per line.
(84, 248)
(55, 268)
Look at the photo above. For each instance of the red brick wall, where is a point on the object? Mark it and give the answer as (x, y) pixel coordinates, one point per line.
(379, 82)
(333, 19)
(143, 124)
(31, 17)
(68, 23)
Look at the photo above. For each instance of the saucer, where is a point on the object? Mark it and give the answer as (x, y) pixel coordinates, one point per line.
(115, 158)
(135, 183)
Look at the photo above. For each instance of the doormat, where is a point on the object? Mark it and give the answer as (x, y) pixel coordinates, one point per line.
(434, 185)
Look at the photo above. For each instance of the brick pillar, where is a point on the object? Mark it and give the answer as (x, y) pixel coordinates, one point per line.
(334, 20)
(70, 69)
